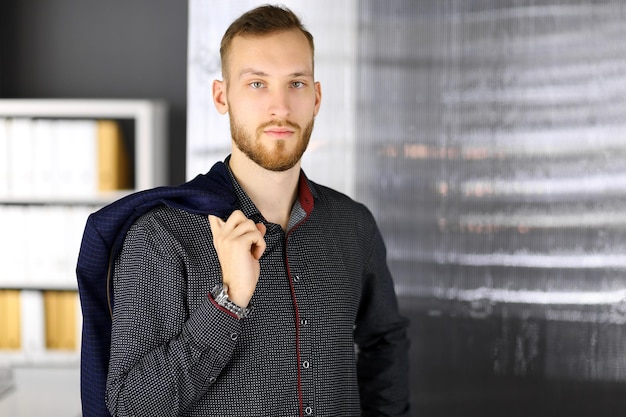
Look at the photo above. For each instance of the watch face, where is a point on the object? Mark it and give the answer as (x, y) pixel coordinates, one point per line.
(217, 290)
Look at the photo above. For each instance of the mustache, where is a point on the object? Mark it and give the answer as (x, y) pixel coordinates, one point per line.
(279, 123)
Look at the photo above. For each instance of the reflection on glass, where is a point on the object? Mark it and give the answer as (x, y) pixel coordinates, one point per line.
(492, 149)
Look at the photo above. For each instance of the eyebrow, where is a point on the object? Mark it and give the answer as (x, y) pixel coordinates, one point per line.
(259, 73)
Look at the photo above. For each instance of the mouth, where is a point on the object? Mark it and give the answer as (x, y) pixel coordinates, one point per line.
(278, 132)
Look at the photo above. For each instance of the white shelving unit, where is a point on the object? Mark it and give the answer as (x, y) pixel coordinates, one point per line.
(150, 126)
(150, 170)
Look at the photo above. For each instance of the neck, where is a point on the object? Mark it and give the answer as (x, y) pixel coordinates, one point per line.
(273, 193)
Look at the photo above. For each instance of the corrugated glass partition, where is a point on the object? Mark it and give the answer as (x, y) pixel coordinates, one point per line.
(491, 147)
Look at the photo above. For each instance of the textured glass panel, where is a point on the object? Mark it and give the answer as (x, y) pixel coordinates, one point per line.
(492, 149)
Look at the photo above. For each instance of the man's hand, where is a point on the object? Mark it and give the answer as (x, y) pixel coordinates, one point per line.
(239, 244)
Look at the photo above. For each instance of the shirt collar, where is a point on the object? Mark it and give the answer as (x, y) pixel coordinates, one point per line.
(300, 210)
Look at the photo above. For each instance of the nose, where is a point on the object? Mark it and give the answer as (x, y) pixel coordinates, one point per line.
(279, 104)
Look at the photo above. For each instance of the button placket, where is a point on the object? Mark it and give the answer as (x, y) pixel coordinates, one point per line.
(303, 323)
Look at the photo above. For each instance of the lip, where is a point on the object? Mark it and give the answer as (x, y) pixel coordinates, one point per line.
(278, 132)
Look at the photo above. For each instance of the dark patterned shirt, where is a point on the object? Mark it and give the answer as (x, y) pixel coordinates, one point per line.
(324, 338)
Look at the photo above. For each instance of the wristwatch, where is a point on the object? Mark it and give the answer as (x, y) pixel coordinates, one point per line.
(220, 295)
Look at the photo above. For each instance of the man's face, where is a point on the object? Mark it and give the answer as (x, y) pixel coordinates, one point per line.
(271, 97)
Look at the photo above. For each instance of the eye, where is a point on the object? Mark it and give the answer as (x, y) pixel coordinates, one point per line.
(256, 84)
(297, 84)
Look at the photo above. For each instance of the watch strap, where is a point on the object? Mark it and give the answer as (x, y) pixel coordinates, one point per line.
(220, 296)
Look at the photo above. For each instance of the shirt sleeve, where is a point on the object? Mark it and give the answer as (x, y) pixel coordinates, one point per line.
(163, 356)
(382, 342)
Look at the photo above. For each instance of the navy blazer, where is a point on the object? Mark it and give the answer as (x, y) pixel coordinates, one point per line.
(104, 234)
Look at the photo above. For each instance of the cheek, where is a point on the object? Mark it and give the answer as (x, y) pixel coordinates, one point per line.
(304, 107)
(245, 112)
(254, 105)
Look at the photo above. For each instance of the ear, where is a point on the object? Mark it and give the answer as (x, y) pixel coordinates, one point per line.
(219, 96)
(318, 98)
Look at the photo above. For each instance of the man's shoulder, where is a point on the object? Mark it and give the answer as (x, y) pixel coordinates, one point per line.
(337, 200)
(165, 214)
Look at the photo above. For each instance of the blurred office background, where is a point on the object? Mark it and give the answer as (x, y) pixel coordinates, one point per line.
(488, 138)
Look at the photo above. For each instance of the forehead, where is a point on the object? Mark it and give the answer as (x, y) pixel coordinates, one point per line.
(287, 51)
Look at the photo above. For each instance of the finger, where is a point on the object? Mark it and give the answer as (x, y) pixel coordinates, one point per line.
(236, 217)
(216, 223)
(238, 222)
(257, 248)
(224, 228)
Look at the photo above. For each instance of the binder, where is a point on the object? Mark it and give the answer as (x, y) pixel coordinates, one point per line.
(60, 320)
(10, 320)
(113, 159)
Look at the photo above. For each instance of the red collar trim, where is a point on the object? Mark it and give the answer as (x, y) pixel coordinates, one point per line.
(307, 201)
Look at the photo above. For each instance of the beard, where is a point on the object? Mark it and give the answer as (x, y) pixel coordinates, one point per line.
(277, 157)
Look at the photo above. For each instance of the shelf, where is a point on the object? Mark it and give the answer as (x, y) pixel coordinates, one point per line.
(98, 200)
(150, 126)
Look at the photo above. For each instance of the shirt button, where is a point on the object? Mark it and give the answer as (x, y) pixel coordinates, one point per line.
(212, 379)
(233, 336)
(306, 364)
(308, 411)
(304, 322)
(296, 278)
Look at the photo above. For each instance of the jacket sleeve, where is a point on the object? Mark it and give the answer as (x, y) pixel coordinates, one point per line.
(382, 342)
(163, 356)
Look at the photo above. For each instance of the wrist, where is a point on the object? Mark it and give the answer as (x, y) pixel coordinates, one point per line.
(220, 296)
(237, 295)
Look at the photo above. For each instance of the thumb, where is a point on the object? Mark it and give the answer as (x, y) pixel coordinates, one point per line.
(262, 228)
(259, 246)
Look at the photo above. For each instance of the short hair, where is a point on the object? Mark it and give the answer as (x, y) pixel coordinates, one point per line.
(264, 20)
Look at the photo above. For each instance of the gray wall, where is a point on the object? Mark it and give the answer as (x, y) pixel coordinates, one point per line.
(99, 49)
